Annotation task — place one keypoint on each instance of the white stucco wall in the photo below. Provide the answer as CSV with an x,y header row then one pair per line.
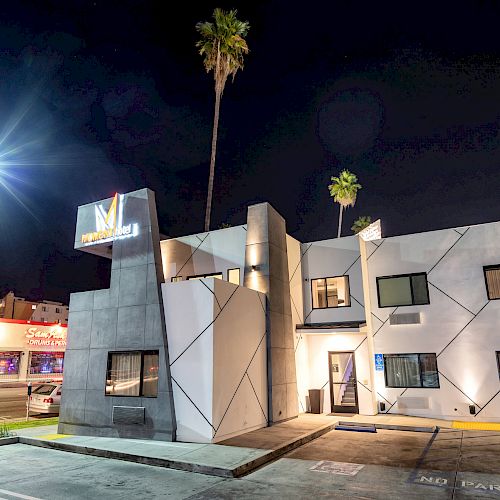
x,y
329,258
216,341
204,253
460,325
318,346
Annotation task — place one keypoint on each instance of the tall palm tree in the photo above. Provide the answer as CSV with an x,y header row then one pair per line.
x,y
362,222
344,189
222,46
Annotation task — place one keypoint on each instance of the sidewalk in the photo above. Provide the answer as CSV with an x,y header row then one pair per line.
x,y
234,457
223,459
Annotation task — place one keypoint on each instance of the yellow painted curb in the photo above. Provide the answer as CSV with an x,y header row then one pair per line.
x,y
51,437
476,426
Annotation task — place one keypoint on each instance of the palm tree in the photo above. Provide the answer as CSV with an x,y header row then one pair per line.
x,y
362,222
344,189
222,46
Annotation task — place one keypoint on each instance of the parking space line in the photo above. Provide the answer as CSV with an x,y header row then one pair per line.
x,y
18,495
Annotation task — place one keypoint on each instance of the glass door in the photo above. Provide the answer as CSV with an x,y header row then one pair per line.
x,y
343,386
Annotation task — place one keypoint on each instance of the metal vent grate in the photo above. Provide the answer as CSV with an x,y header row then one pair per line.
x,y
413,403
404,319
128,415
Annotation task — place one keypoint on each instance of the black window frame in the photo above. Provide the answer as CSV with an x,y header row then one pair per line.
x,y
326,288
175,279
487,268
141,381
239,274
409,275
419,368
211,275
498,362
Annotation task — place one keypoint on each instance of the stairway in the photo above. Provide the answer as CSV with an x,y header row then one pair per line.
x,y
349,396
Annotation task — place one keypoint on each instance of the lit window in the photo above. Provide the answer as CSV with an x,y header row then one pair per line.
x,y
330,292
33,307
201,276
132,373
492,278
403,290
411,370
175,279
233,276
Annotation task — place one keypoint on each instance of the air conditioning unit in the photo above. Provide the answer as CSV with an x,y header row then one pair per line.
x,y
404,319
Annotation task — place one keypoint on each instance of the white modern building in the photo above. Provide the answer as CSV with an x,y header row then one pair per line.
x,y
206,336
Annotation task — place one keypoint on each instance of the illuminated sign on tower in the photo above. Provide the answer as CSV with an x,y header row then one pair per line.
x,y
109,224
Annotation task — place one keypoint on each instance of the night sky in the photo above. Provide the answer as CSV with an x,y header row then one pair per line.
x,y
111,96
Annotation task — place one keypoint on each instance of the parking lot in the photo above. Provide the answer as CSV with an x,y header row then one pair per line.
x,y
340,464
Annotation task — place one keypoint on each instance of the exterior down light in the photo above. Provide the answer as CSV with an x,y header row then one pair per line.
x,y
472,409
254,268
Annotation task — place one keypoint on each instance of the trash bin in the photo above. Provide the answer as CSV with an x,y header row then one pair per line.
x,y
316,397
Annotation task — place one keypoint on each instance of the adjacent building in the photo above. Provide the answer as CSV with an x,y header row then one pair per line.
x,y
206,336
31,351
45,311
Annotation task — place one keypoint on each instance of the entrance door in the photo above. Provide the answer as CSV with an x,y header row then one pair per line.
x,y
343,386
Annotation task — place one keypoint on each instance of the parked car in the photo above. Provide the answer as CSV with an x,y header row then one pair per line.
x,y
46,398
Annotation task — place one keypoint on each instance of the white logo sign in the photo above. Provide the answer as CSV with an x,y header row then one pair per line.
x,y
109,224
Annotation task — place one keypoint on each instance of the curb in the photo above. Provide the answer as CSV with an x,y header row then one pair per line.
x,y
240,470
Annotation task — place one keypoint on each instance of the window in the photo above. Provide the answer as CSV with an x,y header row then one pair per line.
x,y
175,279
233,276
46,362
58,310
33,307
403,290
498,363
44,308
492,278
9,363
42,319
330,292
411,370
132,373
200,276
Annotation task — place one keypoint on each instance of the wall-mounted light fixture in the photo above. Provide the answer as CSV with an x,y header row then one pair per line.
x,y
255,268
472,409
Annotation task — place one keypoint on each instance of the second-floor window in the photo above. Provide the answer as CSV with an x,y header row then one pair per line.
x,y
200,276
330,292
492,277
403,290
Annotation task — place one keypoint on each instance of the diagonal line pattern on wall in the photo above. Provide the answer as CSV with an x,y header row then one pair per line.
x,y
378,246
300,261
191,256
192,402
257,397
260,300
468,323
490,400
390,407
242,378
212,292
458,388
206,328
447,251
345,272
449,296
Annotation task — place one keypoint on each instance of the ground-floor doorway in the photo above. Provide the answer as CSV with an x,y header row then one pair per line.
x,y
343,385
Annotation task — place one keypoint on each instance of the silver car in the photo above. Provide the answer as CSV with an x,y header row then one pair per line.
x,y
46,398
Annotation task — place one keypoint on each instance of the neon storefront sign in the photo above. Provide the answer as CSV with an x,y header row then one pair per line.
x,y
54,337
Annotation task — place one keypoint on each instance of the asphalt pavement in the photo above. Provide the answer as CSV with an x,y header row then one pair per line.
x,y
12,402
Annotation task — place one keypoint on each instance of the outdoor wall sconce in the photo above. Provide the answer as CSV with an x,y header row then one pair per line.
x,y
255,268
472,409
